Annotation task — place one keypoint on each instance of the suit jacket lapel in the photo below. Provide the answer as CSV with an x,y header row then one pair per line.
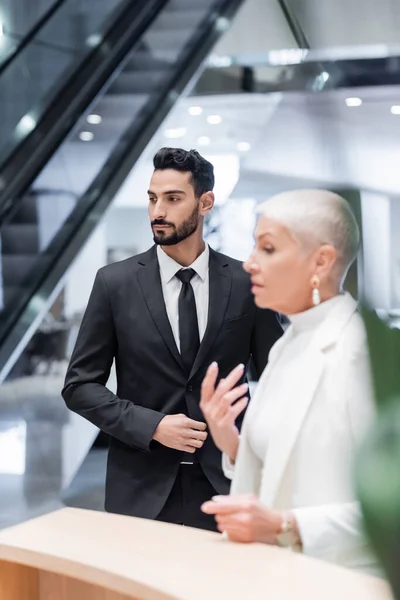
x,y
220,280
150,284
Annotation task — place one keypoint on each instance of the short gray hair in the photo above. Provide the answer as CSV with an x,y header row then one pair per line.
x,y
316,217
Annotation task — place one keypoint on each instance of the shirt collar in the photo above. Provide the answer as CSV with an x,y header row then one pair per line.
x,y
169,267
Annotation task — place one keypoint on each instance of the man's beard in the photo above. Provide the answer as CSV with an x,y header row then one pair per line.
x,y
178,234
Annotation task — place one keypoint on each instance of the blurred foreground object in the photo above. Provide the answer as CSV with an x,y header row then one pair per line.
x,y
378,468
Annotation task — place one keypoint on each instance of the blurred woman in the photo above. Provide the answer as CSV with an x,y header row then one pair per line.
x,y
292,464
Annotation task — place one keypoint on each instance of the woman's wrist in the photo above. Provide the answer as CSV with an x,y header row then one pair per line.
x,y
289,534
233,450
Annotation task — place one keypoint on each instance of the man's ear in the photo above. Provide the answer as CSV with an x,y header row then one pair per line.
x,y
207,201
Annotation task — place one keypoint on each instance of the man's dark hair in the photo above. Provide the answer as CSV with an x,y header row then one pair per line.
x,y
187,161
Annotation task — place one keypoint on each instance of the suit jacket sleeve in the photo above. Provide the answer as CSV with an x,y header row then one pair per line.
x,y
267,330
85,390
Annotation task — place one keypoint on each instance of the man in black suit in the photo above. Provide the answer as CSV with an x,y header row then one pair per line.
x,y
164,316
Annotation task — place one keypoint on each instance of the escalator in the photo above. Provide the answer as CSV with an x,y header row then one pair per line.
x,y
20,24
81,101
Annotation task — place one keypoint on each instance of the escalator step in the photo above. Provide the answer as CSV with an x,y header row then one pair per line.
x,y
121,106
20,239
171,21
27,211
184,5
16,267
138,82
163,40
145,61
10,293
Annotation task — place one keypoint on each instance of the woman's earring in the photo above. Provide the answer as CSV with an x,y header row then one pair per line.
x,y
316,296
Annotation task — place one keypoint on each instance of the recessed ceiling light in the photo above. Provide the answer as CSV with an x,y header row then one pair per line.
x,y
94,119
86,136
203,140
26,124
214,119
395,110
353,101
176,132
215,60
243,146
94,40
195,111
222,24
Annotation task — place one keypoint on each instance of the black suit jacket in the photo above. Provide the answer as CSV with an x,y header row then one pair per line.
x,y
126,320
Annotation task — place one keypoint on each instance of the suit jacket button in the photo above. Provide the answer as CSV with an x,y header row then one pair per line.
x,y
189,388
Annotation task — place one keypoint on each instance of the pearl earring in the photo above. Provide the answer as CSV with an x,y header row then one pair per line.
x,y
316,296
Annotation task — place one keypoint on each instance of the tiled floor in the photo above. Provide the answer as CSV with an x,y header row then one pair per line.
x,y
43,447
45,456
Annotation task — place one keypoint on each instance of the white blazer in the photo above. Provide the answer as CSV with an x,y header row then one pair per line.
x,y
308,466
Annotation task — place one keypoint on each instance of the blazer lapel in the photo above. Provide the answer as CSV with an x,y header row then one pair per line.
x,y
305,382
288,425
220,281
150,284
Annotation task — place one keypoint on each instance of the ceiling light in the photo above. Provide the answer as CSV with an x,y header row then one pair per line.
x,y
94,40
86,136
1,29
94,119
222,24
395,110
243,146
214,119
195,111
353,101
293,56
204,140
177,132
26,124
217,61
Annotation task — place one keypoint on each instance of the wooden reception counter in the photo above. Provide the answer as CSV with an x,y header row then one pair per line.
x,y
83,555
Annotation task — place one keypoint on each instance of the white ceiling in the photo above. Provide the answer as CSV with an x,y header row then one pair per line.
x,y
328,23
296,140
325,23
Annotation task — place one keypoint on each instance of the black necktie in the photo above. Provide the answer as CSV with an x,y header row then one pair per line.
x,y
188,324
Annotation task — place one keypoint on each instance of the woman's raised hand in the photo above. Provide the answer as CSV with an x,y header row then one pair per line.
x,y
222,405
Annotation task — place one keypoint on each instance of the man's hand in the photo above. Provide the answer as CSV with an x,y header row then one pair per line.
x,y
221,406
181,433
243,519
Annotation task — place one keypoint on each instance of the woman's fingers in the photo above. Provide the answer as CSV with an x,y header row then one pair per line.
x,y
217,402
225,385
221,507
208,384
229,505
222,407
236,409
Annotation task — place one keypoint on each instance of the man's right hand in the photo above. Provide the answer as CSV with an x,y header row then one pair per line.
x,y
181,433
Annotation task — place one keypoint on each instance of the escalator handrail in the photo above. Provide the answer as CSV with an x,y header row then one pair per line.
x,y
91,207
294,25
32,34
71,101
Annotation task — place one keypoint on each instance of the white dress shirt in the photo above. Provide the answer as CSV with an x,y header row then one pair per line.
x,y
171,287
